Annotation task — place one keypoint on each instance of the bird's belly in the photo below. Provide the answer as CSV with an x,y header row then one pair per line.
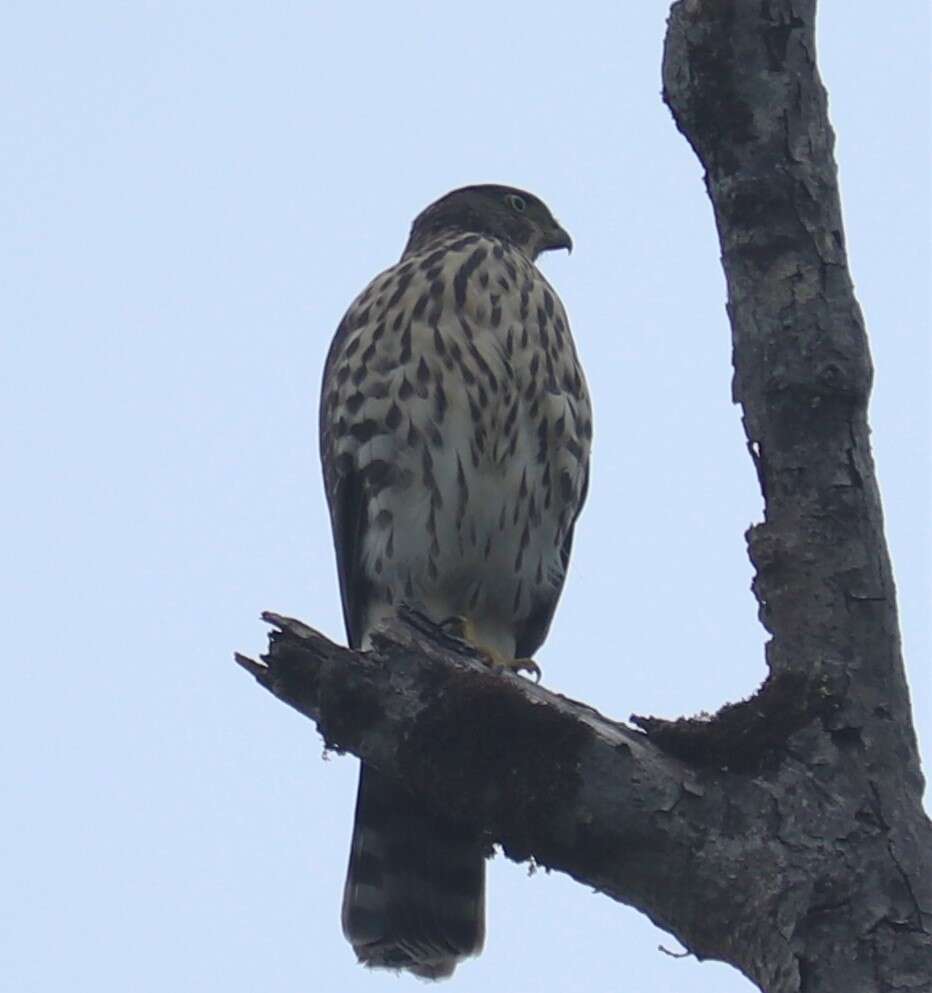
x,y
473,538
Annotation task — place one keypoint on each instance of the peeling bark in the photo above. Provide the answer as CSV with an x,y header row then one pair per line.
x,y
785,835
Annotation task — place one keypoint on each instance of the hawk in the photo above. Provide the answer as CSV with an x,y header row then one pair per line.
x,y
455,429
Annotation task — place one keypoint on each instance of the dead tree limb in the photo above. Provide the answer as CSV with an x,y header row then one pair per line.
x,y
785,835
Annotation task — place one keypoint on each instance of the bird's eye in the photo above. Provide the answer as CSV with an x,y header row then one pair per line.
x,y
515,202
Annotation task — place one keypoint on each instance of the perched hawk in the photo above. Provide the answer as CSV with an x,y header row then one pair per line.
x,y
454,433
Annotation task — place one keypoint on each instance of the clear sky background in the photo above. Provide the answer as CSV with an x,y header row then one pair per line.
x,y
190,196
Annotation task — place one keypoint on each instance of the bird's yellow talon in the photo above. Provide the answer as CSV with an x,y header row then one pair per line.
x,y
463,628
526,665
501,664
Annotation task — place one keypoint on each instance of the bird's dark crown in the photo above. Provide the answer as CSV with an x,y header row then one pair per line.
x,y
513,215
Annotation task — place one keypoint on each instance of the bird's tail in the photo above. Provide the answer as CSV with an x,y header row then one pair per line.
x,y
415,888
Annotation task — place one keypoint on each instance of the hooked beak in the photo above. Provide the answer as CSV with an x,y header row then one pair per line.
x,y
558,238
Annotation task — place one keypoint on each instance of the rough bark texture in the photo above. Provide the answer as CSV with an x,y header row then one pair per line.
x,y
785,835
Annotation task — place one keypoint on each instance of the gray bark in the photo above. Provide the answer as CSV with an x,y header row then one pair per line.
x,y
785,835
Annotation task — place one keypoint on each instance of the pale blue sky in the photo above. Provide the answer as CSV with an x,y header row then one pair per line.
x,y
190,196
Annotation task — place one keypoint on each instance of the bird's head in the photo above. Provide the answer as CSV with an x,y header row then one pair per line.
x,y
503,212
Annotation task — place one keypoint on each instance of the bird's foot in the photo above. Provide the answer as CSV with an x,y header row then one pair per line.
x,y
464,629
458,626
514,665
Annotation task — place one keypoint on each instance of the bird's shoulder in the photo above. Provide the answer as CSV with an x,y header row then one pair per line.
x,y
424,283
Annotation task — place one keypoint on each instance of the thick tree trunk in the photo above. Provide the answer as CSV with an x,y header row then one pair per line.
x,y
785,835
741,81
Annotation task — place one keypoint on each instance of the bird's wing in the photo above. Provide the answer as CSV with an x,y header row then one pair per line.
x,y
572,450
345,488
531,634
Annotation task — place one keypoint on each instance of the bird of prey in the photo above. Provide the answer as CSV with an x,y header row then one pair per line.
x,y
455,429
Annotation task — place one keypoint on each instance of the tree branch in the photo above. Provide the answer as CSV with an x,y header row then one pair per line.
x,y
548,778
784,835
